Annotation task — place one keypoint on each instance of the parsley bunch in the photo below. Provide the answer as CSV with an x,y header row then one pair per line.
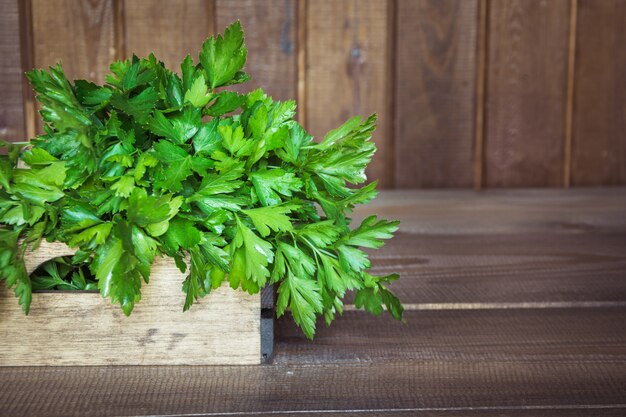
x,y
229,185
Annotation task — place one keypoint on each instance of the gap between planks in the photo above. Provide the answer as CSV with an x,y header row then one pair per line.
x,y
504,306
482,38
569,104
563,407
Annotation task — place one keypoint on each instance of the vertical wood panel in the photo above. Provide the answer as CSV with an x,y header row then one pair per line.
x,y
348,71
599,128
169,29
435,92
78,33
11,101
270,28
526,92
26,52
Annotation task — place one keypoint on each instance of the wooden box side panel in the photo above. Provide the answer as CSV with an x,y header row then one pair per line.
x,y
85,329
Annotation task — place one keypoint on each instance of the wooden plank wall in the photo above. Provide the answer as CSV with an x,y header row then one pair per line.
x,y
469,93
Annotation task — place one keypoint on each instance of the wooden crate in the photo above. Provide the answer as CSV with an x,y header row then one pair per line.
x,y
78,328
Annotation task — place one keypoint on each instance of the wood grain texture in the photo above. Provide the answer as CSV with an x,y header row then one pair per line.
x,y
504,246
539,211
80,34
435,93
270,27
84,329
348,72
169,29
540,335
599,126
526,92
11,99
176,391
506,268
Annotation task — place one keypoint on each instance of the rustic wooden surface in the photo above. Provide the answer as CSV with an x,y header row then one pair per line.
x,y
516,306
84,329
435,94
526,92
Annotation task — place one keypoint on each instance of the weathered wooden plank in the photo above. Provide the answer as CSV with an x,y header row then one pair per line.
x,y
506,268
599,126
169,29
11,99
515,246
539,335
435,93
443,212
126,391
348,72
80,34
84,329
270,28
526,92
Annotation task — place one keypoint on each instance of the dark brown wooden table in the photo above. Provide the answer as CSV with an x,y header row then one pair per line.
x,y
516,306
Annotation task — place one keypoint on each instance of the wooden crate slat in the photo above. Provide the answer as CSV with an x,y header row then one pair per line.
x,y
85,329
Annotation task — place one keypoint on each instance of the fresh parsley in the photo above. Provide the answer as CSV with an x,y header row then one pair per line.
x,y
155,163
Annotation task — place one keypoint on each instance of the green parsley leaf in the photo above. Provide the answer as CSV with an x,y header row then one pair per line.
x,y
270,183
181,233
115,268
304,300
224,57
266,218
257,253
198,94
372,233
139,106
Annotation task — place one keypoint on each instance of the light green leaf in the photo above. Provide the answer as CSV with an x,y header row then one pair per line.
x,y
266,218
198,94
92,236
124,186
372,233
37,195
223,57
258,254
302,295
